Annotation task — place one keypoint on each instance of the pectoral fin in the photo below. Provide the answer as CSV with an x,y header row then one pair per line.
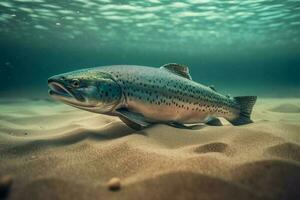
x,y
133,120
130,123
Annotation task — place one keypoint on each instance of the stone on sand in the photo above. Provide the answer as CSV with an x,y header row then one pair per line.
x,y
114,184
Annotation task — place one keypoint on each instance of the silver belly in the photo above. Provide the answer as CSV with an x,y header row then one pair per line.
x,y
167,113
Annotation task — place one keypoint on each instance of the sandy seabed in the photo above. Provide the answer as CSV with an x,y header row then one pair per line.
x,y
52,151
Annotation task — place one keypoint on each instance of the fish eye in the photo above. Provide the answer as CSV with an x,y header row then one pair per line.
x,y
75,83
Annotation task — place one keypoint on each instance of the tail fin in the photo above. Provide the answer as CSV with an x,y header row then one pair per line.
x,y
246,104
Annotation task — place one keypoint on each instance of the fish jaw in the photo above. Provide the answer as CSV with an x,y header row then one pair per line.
x,y
98,93
59,91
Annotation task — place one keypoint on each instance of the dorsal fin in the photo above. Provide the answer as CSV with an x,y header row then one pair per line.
x,y
180,70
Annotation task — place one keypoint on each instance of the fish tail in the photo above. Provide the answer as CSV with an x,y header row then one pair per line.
x,y
246,104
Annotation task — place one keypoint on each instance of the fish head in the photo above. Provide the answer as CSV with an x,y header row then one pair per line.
x,y
86,89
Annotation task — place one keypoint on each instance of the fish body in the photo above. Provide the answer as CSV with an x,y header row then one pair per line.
x,y
144,95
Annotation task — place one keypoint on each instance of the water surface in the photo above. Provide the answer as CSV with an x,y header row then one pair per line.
x,y
240,46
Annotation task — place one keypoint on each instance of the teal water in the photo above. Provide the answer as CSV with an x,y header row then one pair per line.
x,y
240,46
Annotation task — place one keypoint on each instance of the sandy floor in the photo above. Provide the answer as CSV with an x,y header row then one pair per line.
x,y
53,151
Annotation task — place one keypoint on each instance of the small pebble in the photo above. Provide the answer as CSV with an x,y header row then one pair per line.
x,y
5,184
114,184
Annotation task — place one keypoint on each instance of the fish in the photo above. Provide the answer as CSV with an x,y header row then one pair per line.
x,y
141,96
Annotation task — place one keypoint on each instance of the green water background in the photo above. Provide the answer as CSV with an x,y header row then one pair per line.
x,y
240,47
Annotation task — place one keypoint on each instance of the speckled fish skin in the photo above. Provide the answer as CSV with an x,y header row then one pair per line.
x,y
153,95
162,96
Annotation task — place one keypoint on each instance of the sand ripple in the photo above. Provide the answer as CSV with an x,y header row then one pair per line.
x,y
286,108
286,150
76,153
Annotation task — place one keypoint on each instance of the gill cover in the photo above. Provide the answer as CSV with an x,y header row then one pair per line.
x,y
109,93
86,89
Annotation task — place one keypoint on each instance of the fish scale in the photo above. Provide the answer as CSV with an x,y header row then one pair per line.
x,y
142,95
168,90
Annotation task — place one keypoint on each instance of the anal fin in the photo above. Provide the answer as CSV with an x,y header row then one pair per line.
x,y
213,121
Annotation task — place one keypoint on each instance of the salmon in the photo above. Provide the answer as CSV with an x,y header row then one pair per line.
x,y
141,96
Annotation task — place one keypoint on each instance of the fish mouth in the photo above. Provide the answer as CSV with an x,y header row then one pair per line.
x,y
58,91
